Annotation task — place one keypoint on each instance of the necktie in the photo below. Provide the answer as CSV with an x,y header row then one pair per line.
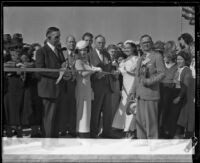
x,y
71,54
57,54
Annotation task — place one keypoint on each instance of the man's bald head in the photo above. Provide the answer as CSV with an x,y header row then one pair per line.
x,y
100,42
70,42
70,37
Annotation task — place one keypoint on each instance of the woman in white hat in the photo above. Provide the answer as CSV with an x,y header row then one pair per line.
x,y
84,93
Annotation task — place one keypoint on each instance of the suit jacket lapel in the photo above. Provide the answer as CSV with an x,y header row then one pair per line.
x,y
52,53
139,64
65,55
96,56
61,56
71,59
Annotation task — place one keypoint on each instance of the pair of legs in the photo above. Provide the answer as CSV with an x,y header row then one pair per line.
x,y
147,119
101,103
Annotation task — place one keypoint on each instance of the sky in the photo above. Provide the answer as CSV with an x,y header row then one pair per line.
x,y
115,23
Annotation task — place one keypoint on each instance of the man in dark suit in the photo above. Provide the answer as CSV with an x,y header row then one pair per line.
x,y
150,72
65,117
49,56
102,87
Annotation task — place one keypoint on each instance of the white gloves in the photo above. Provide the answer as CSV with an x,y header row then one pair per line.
x,y
97,69
61,73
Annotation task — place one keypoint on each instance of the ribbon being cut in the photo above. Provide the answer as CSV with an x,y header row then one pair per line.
x,y
61,70
65,69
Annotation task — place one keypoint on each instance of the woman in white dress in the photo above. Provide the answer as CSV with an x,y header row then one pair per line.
x,y
84,93
127,68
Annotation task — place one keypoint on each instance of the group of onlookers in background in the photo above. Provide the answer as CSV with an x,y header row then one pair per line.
x,y
141,90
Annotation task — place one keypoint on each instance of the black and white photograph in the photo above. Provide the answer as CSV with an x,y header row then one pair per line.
x,y
99,83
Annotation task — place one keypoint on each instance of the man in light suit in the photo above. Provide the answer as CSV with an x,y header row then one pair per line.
x,y
49,56
102,87
150,72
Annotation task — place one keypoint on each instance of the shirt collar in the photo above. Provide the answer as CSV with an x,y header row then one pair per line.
x,y
181,69
148,54
51,46
99,54
69,52
97,51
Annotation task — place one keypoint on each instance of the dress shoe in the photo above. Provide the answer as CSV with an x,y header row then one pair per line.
x,y
165,135
36,132
65,134
130,135
179,136
95,136
10,132
116,134
73,134
188,135
83,135
26,132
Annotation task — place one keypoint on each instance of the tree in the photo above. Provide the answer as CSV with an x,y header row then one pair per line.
x,y
189,14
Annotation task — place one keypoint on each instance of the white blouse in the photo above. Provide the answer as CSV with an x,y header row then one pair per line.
x,y
129,64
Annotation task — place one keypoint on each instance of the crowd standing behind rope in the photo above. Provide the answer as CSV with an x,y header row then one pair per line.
x,y
132,90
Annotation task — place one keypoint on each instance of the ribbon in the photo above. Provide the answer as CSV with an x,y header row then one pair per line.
x,y
61,70
6,69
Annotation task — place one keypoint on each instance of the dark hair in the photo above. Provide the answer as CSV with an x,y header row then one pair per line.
x,y
120,53
146,35
186,56
187,38
99,36
87,34
170,46
120,43
159,47
134,47
111,46
171,55
50,30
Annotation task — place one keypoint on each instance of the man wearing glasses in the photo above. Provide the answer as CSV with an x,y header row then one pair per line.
x,y
150,72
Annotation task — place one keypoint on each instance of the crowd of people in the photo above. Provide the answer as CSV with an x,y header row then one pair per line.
x,y
134,90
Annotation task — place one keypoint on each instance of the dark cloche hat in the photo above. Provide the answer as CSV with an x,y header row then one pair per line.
x,y
7,40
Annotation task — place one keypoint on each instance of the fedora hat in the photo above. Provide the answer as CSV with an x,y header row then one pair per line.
x,y
17,40
7,38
